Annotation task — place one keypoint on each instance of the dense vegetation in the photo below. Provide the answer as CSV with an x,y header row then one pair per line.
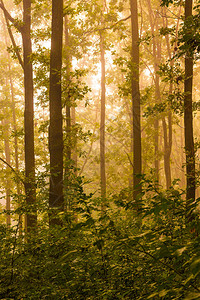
x,y
99,150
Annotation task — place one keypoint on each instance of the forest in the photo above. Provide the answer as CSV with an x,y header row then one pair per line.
x,y
99,149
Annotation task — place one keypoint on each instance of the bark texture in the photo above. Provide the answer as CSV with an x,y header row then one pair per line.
x,y
188,123
30,190
137,151
56,200
68,104
102,123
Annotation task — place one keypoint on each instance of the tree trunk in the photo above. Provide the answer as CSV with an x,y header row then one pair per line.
x,y
25,29
31,218
167,153
56,199
188,124
130,120
74,153
13,109
15,142
102,124
68,104
137,152
156,149
157,90
8,182
168,142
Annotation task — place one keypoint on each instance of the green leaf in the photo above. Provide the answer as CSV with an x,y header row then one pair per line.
x,y
192,296
180,251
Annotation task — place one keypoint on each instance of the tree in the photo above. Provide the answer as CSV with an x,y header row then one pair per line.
x,y
156,57
14,121
167,126
67,101
56,200
188,120
187,45
102,121
30,188
5,124
137,153
25,30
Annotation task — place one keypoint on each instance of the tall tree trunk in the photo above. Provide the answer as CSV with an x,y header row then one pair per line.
x,y
156,122
157,89
168,138
56,199
8,182
137,151
7,147
68,104
14,123
188,123
167,129
31,218
15,142
68,147
25,29
102,123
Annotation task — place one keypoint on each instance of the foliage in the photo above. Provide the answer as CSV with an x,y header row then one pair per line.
x,y
189,35
117,255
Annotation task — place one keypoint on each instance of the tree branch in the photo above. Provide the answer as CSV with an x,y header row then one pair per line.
x,y
14,43
9,17
109,27
13,170
113,25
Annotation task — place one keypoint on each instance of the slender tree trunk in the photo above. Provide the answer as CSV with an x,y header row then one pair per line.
x,y
102,123
74,153
15,142
68,131
168,141
31,218
130,114
5,124
183,177
14,120
68,146
8,182
167,129
56,200
167,153
188,124
137,151
156,122
14,111
68,105
157,90
156,149
70,110
8,199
